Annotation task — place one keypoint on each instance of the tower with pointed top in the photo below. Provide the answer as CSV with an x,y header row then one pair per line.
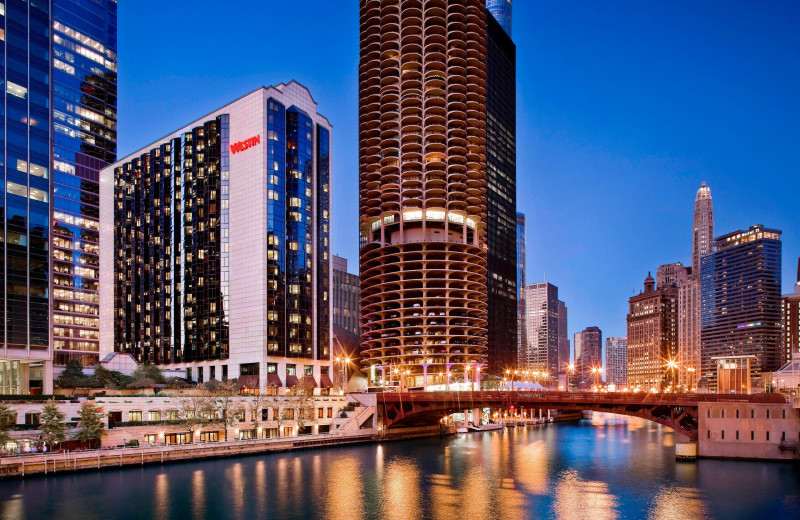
x,y
689,290
703,231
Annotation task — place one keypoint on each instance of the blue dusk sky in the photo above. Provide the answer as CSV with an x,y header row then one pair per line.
x,y
623,108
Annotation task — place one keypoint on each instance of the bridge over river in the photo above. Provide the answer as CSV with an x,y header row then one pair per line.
x,y
677,411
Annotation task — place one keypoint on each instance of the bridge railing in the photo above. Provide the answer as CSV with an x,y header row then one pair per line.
x,y
501,396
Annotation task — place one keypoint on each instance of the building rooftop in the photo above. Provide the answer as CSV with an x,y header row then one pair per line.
x,y
742,236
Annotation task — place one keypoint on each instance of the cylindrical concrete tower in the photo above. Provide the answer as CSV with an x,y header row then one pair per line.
x,y
422,172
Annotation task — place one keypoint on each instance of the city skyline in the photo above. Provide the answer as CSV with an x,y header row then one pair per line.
x,y
606,128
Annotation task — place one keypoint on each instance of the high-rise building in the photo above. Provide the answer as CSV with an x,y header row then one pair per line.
x,y
689,332
617,361
345,297
790,320
740,299
563,338
689,291
653,337
59,130
541,308
423,192
522,341
670,275
501,194
501,10
588,354
215,241
703,229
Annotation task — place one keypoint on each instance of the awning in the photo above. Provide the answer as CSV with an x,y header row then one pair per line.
x,y
291,381
274,380
310,380
326,382
251,382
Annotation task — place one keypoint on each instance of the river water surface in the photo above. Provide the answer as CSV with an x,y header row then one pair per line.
x,y
605,468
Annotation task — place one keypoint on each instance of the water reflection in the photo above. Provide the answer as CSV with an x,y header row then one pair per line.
x,y
13,508
401,490
678,503
606,468
198,495
579,499
161,497
343,490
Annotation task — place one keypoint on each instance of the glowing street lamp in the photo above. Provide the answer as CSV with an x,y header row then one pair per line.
x,y
672,366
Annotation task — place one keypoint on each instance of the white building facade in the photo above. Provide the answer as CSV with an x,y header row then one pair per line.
x,y
215,245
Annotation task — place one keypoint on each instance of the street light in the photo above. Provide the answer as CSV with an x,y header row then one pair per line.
x,y
672,365
691,377
596,372
570,370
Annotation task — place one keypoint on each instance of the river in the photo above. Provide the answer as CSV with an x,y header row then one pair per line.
x,y
605,468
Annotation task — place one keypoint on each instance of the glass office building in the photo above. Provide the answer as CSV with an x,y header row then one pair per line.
x,y
501,197
60,129
501,10
740,302
219,245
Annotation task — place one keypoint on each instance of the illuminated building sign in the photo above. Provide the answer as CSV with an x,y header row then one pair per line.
x,y
244,145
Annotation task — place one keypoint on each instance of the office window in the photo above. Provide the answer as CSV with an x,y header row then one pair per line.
x,y
135,416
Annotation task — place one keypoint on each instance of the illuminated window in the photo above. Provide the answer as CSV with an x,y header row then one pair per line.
x,y
16,90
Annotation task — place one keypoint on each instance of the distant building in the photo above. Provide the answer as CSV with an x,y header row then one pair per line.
x,y
740,298
617,361
670,275
522,341
563,338
703,229
588,354
790,320
541,307
345,297
689,291
652,337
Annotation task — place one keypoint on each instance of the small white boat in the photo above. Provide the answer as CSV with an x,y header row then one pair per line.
x,y
586,414
485,427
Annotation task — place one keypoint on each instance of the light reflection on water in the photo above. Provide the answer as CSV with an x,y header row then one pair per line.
x,y
604,468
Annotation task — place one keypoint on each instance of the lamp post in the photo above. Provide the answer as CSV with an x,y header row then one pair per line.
x,y
691,377
596,372
570,375
672,365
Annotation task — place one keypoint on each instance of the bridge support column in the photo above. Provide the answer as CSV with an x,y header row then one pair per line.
x,y
425,377
540,415
476,416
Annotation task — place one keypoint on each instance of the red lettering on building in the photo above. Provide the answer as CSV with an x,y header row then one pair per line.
x,y
244,145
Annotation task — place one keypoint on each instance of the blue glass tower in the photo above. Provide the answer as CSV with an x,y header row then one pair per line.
x,y
501,10
60,129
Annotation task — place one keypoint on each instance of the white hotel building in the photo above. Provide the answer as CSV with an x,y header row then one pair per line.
x,y
215,245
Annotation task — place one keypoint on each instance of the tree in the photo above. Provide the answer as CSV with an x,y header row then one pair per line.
x,y
256,403
151,372
54,430
279,406
7,420
301,397
227,403
111,378
91,424
195,411
73,376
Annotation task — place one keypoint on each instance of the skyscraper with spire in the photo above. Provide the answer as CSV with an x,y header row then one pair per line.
x,y
689,290
703,237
